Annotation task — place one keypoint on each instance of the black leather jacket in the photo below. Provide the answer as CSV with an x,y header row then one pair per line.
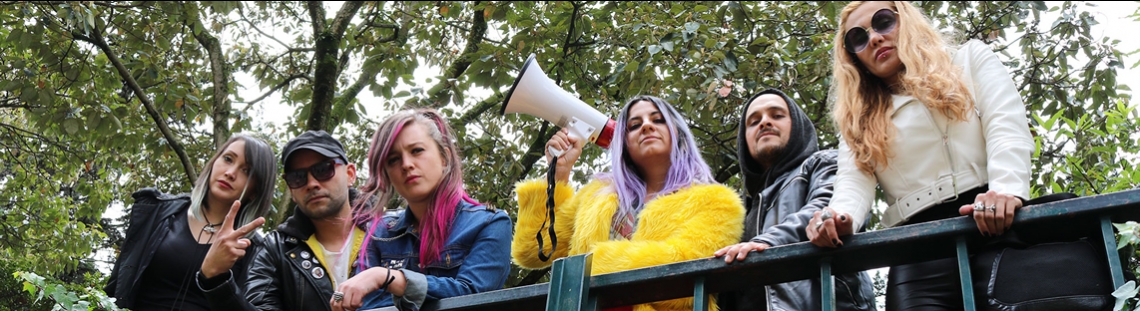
x,y
152,216
780,201
278,278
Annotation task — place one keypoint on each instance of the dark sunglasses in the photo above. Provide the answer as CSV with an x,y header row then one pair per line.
x,y
321,171
883,22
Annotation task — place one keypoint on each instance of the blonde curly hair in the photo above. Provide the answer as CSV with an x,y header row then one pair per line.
x,y
862,105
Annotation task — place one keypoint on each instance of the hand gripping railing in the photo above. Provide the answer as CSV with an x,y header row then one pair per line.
x,y
571,288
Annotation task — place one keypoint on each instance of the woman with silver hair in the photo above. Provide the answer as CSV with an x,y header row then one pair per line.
x,y
171,237
658,204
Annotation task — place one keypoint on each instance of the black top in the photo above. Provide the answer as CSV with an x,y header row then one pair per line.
x,y
168,283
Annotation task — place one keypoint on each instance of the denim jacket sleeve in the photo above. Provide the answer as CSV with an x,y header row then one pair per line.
x,y
484,268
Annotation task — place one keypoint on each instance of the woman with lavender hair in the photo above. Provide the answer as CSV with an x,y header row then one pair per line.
x,y
658,204
444,243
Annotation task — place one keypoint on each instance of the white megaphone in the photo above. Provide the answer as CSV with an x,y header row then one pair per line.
x,y
535,94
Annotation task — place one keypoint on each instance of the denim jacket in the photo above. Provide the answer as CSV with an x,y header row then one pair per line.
x,y
476,257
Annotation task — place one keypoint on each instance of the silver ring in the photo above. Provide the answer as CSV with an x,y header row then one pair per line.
x,y
992,207
338,296
979,206
825,215
818,225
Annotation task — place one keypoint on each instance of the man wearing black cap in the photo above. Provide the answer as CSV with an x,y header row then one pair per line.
x,y
314,249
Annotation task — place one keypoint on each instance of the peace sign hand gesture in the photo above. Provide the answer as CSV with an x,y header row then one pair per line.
x,y
230,245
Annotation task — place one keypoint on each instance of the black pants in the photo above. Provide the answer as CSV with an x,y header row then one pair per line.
x,y
930,285
935,284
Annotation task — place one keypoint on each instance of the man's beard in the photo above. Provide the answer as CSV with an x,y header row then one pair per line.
x,y
768,156
332,209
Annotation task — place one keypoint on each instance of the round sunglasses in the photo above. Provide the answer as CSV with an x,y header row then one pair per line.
x,y
322,171
883,22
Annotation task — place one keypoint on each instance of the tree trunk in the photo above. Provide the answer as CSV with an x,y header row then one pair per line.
x,y
326,51
221,78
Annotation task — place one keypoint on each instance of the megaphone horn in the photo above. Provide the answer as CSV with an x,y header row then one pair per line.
x,y
535,94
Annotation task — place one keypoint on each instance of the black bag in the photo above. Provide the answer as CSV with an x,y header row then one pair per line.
x,y
1065,273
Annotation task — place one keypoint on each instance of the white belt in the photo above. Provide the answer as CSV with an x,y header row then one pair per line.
x,y
941,190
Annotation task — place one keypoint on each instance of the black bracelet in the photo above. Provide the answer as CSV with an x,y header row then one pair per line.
x,y
389,281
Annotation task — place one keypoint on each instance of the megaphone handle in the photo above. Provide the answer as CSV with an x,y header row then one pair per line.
x,y
555,153
574,129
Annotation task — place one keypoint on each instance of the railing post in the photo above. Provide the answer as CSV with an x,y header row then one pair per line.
x,y
700,299
964,274
827,285
1113,253
570,284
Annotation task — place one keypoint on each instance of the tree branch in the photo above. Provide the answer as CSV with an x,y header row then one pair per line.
x,y
439,93
317,14
99,3
479,109
371,65
344,16
252,25
275,88
97,40
57,144
220,73
535,152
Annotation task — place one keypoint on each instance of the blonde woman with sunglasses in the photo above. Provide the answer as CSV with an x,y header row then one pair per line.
x,y
941,130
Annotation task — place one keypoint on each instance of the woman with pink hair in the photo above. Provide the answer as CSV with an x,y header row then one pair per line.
x,y
443,243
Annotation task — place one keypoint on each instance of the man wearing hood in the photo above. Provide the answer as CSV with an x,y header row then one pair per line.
x,y
786,179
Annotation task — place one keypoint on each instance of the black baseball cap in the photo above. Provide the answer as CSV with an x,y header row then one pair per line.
x,y
319,141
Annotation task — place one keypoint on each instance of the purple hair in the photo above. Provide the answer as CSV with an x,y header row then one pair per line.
x,y
436,223
686,168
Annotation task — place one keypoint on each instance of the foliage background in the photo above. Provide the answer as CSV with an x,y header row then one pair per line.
x,y
101,98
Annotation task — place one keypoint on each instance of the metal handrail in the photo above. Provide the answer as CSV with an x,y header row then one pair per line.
x,y
573,290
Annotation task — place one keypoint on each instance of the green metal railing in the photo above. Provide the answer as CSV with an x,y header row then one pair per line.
x,y
571,287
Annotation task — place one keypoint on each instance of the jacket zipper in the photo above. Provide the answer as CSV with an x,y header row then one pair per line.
x,y
765,209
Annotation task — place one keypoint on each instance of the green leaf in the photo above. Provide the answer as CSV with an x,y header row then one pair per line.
x,y
710,42
730,61
28,287
654,49
630,67
93,121
1124,293
692,26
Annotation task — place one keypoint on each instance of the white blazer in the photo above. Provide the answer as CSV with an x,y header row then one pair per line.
x,y
935,160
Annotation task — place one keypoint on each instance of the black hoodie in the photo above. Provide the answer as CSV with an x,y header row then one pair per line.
x,y
802,143
780,201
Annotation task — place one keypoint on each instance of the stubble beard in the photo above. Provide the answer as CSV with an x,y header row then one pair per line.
x,y
767,156
332,209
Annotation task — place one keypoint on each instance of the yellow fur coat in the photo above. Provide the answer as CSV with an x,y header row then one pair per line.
x,y
688,224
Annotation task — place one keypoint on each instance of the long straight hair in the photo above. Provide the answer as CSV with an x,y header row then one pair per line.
x,y
436,223
257,196
686,168
862,104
